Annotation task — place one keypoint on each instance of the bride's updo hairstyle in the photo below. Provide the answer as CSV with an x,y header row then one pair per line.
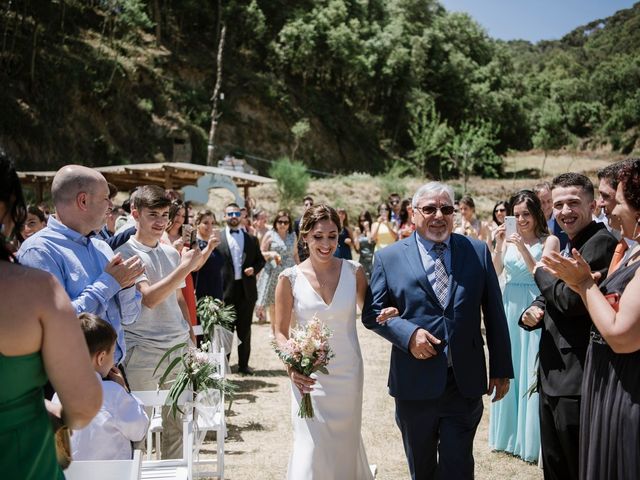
x,y
316,214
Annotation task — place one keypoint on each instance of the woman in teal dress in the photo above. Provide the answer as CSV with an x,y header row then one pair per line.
x,y
514,424
40,337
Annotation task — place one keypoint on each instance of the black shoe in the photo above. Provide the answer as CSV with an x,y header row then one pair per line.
x,y
246,371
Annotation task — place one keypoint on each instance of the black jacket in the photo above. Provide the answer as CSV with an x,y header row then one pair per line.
x,y
251,257
566,323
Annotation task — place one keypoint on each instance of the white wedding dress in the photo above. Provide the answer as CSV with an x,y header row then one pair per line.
x,y
329,446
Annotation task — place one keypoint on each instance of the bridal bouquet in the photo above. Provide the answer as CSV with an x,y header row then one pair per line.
x,y
197,372
217,322
307,350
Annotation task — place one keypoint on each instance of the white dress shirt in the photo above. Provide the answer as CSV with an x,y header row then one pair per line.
x,y
120,421
236,247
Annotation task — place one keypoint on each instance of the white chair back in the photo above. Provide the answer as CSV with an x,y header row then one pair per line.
x,y
105,469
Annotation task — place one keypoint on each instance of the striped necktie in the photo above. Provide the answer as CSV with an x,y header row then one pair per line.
x,y
441,286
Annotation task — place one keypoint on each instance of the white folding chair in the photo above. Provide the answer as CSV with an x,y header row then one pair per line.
x,y
105,469
179,468
211,421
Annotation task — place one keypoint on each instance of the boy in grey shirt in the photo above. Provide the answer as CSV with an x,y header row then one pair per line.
x,y
164,321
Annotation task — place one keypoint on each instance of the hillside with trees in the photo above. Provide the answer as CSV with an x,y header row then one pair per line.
x,y
341,85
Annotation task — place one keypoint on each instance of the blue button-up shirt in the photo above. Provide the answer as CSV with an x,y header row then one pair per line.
x,y
78,263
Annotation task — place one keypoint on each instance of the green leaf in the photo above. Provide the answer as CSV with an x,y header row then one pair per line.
x,y
171,366
167,353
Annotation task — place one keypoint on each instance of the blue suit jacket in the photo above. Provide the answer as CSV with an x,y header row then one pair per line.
x,y
399,280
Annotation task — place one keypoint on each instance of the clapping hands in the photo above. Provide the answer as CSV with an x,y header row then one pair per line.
x,y
125,271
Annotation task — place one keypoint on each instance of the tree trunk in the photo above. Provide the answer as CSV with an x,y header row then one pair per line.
x,y
214,98
34,50
157,14
544,160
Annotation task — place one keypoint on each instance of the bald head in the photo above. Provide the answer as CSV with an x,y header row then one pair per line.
x,y
71,180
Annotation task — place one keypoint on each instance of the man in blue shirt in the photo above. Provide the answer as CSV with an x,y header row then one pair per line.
x,y
96,280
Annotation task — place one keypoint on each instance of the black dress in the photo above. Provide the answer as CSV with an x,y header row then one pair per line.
x,y
208,280
610,411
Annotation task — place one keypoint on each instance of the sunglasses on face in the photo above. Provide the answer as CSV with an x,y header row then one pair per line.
x,y
430,209
394,202
497,210
283,222
234,214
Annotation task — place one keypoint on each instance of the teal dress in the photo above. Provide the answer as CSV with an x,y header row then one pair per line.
x,y
514,423
27,449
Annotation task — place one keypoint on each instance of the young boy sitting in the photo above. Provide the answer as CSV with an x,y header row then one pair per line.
x,y
121,419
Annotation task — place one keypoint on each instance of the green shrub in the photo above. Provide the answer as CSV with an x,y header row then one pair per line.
x,y
292,178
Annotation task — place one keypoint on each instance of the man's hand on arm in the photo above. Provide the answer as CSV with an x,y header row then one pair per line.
x,y
421,344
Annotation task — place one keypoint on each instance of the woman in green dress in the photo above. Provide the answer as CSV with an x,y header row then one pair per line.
x,y
40,338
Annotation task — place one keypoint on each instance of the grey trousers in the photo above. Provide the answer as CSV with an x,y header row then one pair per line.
x,y
140,363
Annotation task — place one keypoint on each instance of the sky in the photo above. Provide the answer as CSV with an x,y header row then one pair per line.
x,y
535,20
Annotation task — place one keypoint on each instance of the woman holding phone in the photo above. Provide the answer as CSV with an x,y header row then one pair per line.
x,y
208,278
174,235
514,424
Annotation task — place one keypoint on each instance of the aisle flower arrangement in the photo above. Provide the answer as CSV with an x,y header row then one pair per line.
x,y
307,351
196,372
217,321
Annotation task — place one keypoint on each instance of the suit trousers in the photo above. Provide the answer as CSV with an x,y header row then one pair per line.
x,y
559,435
244,315
438,433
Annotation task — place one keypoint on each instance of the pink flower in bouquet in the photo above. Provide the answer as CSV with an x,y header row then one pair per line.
x,y
307,350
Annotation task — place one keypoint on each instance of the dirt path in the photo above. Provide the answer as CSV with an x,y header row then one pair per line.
x,y
259,438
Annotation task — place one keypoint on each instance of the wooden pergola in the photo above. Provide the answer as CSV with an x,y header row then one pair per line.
x,y
170,175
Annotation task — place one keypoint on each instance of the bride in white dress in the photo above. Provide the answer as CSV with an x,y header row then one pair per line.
x,y
328,446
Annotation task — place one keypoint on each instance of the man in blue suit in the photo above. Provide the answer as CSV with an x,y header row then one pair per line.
x,y
440,283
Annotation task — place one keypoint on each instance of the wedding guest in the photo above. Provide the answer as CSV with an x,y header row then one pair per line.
x,y
329,288
345,237
96,280
121,419
364,244
543,191
303,254
608,184
173,236
565,324
40,339
395,204
260,223
383,231
500,211
208,278
471,225
164,321
405,225
243,260
279,250
35,222
514,424
610,410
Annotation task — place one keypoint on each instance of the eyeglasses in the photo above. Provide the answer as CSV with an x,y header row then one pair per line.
x,y
430,209
500,210
234,214
283,222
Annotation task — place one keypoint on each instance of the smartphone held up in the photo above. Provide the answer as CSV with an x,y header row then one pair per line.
x,y
510,226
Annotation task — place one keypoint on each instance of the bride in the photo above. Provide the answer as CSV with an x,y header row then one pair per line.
x,y
328,446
